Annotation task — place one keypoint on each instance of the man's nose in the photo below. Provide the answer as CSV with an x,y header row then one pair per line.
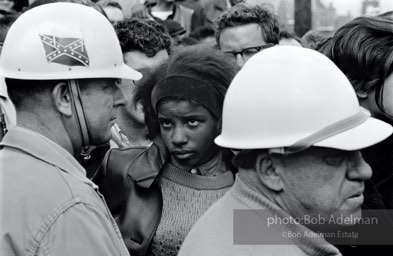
x,y
119,98
358,169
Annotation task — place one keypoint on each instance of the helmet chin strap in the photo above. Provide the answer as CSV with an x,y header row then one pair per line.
x,y
79,112
324,133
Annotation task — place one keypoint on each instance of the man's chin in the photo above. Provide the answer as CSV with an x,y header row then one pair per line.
x,y
98,141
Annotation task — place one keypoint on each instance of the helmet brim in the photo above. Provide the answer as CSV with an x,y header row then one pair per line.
x,y
370,132
117,71
123,71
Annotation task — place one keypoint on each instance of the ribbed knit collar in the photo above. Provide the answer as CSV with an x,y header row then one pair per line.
x,y
198,182
255,200
216,166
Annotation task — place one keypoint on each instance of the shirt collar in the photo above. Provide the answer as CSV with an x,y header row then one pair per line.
x,y
46,150
3,87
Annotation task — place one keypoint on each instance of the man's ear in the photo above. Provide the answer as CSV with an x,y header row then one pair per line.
x,y
62,98
267,170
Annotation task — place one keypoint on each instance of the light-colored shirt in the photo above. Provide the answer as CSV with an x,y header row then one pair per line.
x,y
119,140
7,108
47,205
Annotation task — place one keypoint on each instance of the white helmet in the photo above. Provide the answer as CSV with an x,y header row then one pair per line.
x,y
63,41
288,98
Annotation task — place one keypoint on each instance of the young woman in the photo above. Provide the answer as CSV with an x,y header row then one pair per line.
x,y
158,193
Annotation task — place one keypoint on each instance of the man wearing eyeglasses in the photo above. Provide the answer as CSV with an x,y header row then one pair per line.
x,y
244,30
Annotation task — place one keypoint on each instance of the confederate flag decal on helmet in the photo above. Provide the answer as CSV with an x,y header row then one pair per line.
x,y
65,51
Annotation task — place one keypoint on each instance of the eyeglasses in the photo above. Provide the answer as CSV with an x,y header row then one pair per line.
x,y
248,52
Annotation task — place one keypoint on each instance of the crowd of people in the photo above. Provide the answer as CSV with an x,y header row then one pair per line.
x,y
192,128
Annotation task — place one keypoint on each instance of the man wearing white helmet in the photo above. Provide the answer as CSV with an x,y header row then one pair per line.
x,y
299,125
61,64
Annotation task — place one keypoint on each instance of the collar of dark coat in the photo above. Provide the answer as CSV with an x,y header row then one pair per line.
x,y
147,163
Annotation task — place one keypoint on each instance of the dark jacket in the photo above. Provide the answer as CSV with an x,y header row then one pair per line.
x,y
127,179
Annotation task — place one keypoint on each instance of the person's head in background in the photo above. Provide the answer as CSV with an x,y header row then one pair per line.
x,y
6,7
244,30
12,6
205,35
89,3
145,44
113,10
362,49
312,39
5,24
287,38
175,30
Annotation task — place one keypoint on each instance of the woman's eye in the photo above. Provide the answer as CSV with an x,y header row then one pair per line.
x,y
166,124
193,123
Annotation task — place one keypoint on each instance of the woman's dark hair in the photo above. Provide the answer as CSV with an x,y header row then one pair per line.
x,y
200,62
362,49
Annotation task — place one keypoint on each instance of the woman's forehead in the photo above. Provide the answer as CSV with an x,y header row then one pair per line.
x,y
185,107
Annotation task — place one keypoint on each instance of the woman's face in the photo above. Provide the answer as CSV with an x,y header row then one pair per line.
x,y
371,105
388,96
188,131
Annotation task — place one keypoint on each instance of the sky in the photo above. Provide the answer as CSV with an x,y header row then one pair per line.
x,y
342,6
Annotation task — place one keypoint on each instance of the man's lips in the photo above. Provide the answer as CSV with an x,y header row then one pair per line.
x,y
357,198
359,192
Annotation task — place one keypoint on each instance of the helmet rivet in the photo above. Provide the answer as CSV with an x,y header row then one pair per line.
x,y
69,69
